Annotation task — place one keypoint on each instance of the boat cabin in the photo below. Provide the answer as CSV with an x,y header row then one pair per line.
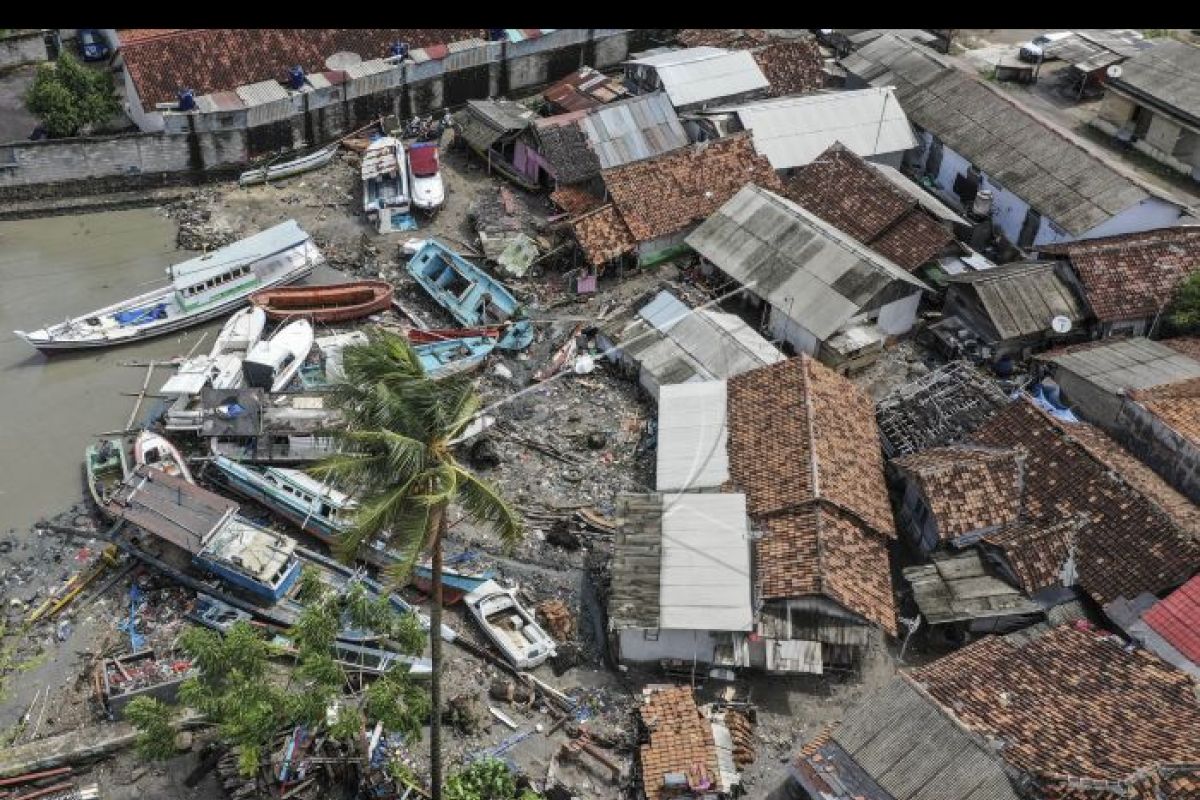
x,y
202,288
317,499
265,362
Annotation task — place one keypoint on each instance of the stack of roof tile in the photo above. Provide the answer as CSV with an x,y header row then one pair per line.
x,y
665,195
1130,544
968,489
1076,711
681,739
1132,276
848,193
575,200
804,447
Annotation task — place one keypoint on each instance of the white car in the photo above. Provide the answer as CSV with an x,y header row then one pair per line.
x,y
1035,50
428,191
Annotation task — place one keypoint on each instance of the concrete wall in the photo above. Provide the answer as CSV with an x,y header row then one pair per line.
x,y
686,645
1174,458
899,316
22,48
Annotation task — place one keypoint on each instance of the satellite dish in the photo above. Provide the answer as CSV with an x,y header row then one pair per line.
x,y
342,60
1114,71
1061,324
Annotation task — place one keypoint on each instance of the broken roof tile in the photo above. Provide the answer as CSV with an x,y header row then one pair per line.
x,y
968,489
681,739
602,235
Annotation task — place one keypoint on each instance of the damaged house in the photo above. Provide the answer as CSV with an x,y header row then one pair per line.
x,y
494,129
656,202
697,77
686,750
573,148
1145,394
793,131
1128,281
583,89
667,342
792,64
812,280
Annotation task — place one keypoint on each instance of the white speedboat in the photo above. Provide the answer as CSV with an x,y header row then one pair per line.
x,y
272,363
157,453
385,181
241,332
428,190
200,289
506,622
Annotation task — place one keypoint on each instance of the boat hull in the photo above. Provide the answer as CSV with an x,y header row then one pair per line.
x,y
245,483
335,303
296,166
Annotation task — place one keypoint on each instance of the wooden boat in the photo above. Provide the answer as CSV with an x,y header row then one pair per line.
x,y
471,296
240,332
334,303
273,172
155,452
251,426
272,363
456,583
200,289
385,180
432,335
428,189
509,625
186,411
454,356
106,464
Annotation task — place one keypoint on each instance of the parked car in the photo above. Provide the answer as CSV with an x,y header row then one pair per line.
x,y
92,45
1035,50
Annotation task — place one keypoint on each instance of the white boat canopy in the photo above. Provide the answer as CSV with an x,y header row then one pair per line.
x,y
282,237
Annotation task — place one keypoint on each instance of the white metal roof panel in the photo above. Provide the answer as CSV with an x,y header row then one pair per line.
x,y
1129,364
692,436
255,94
793,131
704,583
664,311
690,77
283,236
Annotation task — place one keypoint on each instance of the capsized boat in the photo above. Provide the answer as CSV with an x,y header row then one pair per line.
x,y
337,302
272,363
305,163
200,289
106,464
454,356
156,452
471,296
385,180
240,332
428,189
509,625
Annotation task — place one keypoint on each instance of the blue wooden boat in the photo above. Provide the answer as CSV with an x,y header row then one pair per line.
x,y
471,296
455,356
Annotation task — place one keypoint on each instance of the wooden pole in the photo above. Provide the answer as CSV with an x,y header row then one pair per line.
x,y
137,404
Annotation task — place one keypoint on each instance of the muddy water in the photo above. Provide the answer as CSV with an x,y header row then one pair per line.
x,y
51,408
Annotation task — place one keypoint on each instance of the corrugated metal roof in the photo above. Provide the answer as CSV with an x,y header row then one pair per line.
x,y
369,67
699,74
630,130
1022,299
704,582
1128,364
958,587
171,508
636,562
1168,73
502,115
807,269
894,60
261,93
664,311
792,131
692,436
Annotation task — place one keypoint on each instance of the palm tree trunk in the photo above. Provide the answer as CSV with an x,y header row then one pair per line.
x,y
435,632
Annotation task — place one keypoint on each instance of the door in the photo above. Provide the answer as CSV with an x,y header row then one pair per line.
x,y
933,164
1029,230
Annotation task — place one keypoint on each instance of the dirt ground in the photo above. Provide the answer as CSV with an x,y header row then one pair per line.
x,y
15,122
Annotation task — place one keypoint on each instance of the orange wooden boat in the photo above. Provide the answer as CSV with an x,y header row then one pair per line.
x,y
337,302
431,335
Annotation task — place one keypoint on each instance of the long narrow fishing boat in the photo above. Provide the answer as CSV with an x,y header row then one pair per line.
x,y
200,289
286,169
240,332
472,297
338,302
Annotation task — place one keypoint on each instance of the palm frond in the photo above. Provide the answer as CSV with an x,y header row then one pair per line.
x,y
484,505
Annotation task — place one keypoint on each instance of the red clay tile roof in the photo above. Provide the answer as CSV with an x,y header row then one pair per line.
x,y
968,488
128,36
731,38
1188,345
212,60
791,67
1178,406
575,200
681,739
602,235
848,193
820,550
667,194
799,432
1130,545
1037,550
1072,703
1133,275
1177,619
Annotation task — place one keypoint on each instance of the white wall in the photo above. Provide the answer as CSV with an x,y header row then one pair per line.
x,y
1147,215
147,122
899,316
784,329
686,645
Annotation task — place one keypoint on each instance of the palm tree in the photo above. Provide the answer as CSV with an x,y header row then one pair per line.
x,y
396,459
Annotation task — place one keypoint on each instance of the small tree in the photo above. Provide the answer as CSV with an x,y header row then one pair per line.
x,y
156,737
66,96
1185,308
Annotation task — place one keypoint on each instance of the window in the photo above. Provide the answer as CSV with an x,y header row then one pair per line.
x,y
650,634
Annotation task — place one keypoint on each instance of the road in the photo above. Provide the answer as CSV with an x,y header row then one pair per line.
x,y
1064,115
